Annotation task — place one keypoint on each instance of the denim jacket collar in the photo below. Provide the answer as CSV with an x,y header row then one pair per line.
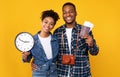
x,y
37,41
52,37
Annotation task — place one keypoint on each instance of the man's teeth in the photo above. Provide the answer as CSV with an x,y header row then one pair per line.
x,y
68,18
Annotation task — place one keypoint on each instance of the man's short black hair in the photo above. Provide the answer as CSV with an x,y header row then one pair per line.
x,y
69,3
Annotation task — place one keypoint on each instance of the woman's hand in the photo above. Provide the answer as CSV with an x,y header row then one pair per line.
x,y
25,55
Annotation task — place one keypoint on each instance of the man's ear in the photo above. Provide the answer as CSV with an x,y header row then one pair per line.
x,y
76,13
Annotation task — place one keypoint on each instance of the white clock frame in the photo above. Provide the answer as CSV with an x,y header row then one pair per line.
x,y
24,41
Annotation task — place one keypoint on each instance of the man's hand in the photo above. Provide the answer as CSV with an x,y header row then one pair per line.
x,y
88,39
33,66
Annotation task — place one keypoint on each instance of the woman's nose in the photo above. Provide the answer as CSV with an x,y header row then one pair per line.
x,y
48,25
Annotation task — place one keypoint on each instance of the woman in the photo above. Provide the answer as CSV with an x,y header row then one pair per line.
x,y
45,49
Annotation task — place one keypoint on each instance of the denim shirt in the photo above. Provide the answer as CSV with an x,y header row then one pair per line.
x,y
38,53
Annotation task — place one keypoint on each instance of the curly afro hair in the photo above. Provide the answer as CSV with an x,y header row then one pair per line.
x,y
50,13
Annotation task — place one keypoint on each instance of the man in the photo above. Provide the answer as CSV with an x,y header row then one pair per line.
x,y
71,43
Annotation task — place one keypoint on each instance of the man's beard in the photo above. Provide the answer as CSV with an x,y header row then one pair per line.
x,y
70,22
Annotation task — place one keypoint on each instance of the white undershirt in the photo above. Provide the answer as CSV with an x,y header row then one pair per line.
x,y
69,34
46,43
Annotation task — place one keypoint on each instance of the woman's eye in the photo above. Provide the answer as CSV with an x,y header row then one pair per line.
x,y
46,22
52,24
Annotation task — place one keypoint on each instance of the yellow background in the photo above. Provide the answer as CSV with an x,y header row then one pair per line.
x,y
24,16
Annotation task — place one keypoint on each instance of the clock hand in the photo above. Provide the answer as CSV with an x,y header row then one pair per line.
x,y
24,41
21,40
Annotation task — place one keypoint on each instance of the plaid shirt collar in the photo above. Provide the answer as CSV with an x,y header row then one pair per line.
x,y
75,29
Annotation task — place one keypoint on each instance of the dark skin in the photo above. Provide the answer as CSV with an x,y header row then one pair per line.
x,y
69,16
47,26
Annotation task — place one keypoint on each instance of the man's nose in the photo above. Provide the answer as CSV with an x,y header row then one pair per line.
x,y
68,13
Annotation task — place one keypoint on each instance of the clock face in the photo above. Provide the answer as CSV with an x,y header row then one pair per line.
x,y
24,41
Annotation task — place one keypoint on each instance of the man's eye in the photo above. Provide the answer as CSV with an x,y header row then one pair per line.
x,y
71,11
64,12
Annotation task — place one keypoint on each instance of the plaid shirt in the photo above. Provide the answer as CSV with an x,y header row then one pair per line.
x,y
79,48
